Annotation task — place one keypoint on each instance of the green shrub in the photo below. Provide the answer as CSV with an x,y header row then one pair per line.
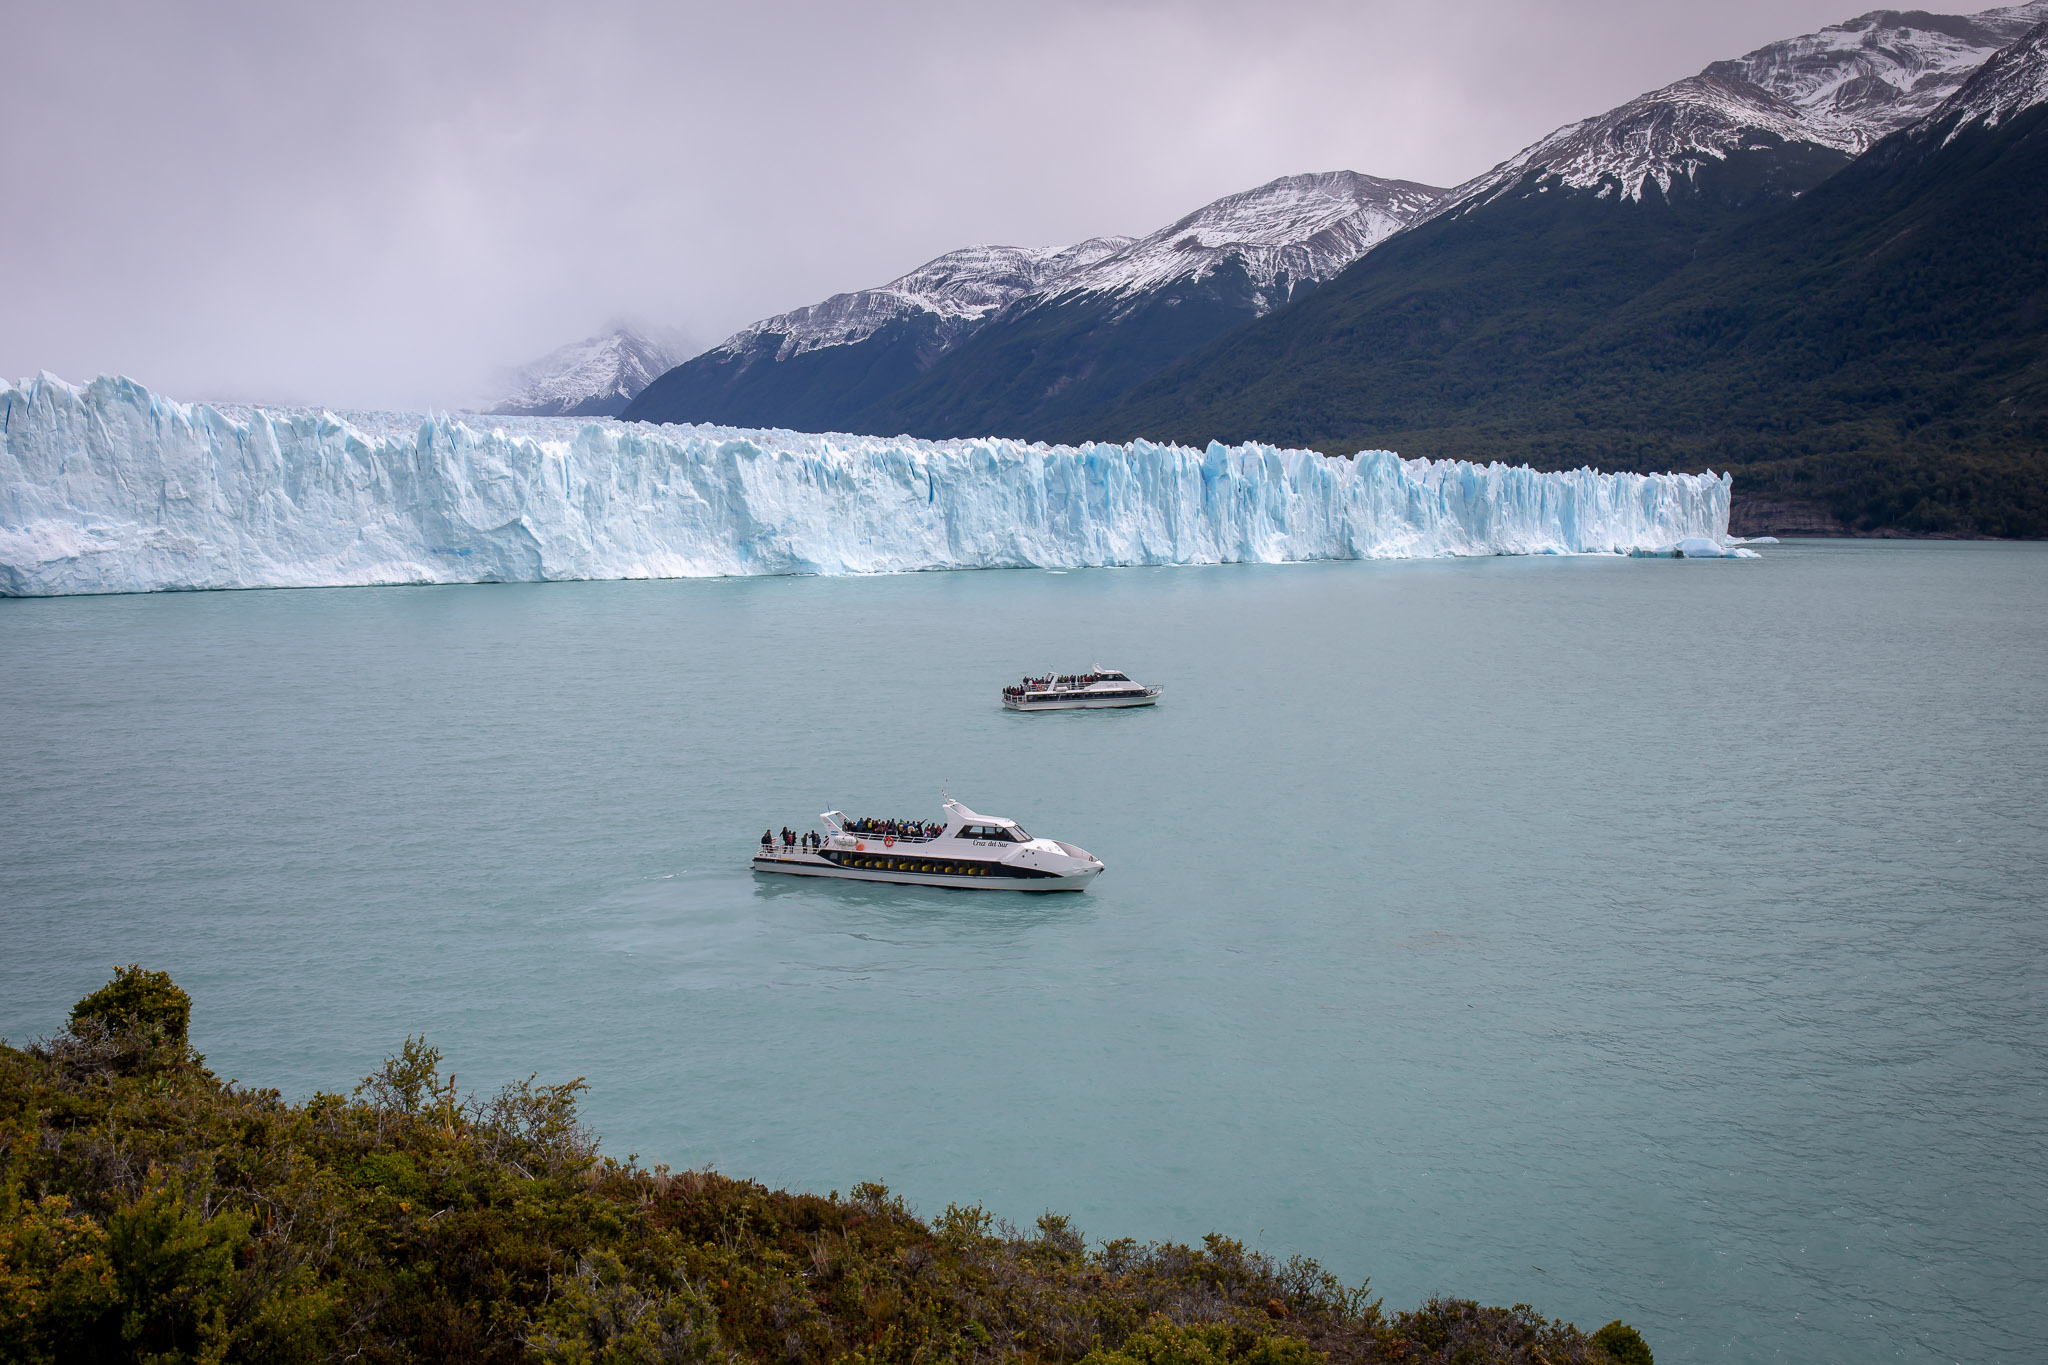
x,y
56,1283
174,1269
137,1001
153,1284
605,1315
1222,1343
1624,1343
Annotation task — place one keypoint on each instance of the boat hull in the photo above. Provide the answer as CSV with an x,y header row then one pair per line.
x,y
806,865
1080,703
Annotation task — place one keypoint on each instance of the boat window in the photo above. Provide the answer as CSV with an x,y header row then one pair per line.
x,y
995,832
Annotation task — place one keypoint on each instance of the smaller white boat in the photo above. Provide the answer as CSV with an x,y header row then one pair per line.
x,y
1102,690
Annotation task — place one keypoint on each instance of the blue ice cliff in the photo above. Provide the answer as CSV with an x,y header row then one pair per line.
x,y
111,488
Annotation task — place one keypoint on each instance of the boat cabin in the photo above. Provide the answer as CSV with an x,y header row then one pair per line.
x,y
1001,832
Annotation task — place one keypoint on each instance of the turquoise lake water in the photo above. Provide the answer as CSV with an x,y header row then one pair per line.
x,y
1661,940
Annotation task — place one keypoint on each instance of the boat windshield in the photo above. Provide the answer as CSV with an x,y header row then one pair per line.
x,y
998,833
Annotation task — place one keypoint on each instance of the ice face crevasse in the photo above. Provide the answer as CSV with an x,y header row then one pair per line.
x,y
111,488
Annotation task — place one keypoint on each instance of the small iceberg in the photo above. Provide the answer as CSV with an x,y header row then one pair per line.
x,y
1696,547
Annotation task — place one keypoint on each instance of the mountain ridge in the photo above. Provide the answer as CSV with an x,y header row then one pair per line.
x,y
1866,356
595,377
1620,212
1837,91
963,286
1295,227
1234,259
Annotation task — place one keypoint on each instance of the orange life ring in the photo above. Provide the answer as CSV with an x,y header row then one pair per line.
x,y
889,842
860,848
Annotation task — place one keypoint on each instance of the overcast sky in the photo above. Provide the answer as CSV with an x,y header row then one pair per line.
x,y
382,205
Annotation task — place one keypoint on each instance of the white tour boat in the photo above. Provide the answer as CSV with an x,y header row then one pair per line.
x,y
1098,691
981,852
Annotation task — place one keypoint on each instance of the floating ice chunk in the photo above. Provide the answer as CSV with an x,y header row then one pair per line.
x,y
111,488
1696,547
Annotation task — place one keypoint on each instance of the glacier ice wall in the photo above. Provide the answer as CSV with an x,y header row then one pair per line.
x,y
110,488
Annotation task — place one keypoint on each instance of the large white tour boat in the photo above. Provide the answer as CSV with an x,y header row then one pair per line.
x,y
977,852
1098,691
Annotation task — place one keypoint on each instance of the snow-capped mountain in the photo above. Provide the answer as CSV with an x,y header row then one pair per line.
x,y
1838,91
959,290
594,377
1856,81
2010,83
1862,349
850,362
811,367
1291,231
1052,344
1299,228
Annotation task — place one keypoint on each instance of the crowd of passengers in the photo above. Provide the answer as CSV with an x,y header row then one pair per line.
x,y
810,840
1063,679
902,829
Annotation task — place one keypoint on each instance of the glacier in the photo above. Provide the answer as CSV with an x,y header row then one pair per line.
x,y
110,488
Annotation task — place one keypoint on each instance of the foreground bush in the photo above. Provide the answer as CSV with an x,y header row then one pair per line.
x,y
151,1212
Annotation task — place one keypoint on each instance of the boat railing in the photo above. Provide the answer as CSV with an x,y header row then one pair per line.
x,y
1124,689
879,837
1015,691
876,844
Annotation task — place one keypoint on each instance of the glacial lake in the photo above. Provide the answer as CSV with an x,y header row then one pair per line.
x,y
1661,940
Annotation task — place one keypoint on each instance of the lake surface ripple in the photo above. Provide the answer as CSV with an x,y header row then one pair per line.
x,y
1644,939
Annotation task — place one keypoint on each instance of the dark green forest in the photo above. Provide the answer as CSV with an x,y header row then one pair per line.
x,y
152,1212
1872,354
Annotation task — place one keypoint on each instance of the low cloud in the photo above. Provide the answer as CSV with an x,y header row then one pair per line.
x,y
388,204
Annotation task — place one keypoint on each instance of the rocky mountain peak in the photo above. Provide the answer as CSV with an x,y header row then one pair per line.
x,y
960,288
1293,230
2011,82
1839,89
594,377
